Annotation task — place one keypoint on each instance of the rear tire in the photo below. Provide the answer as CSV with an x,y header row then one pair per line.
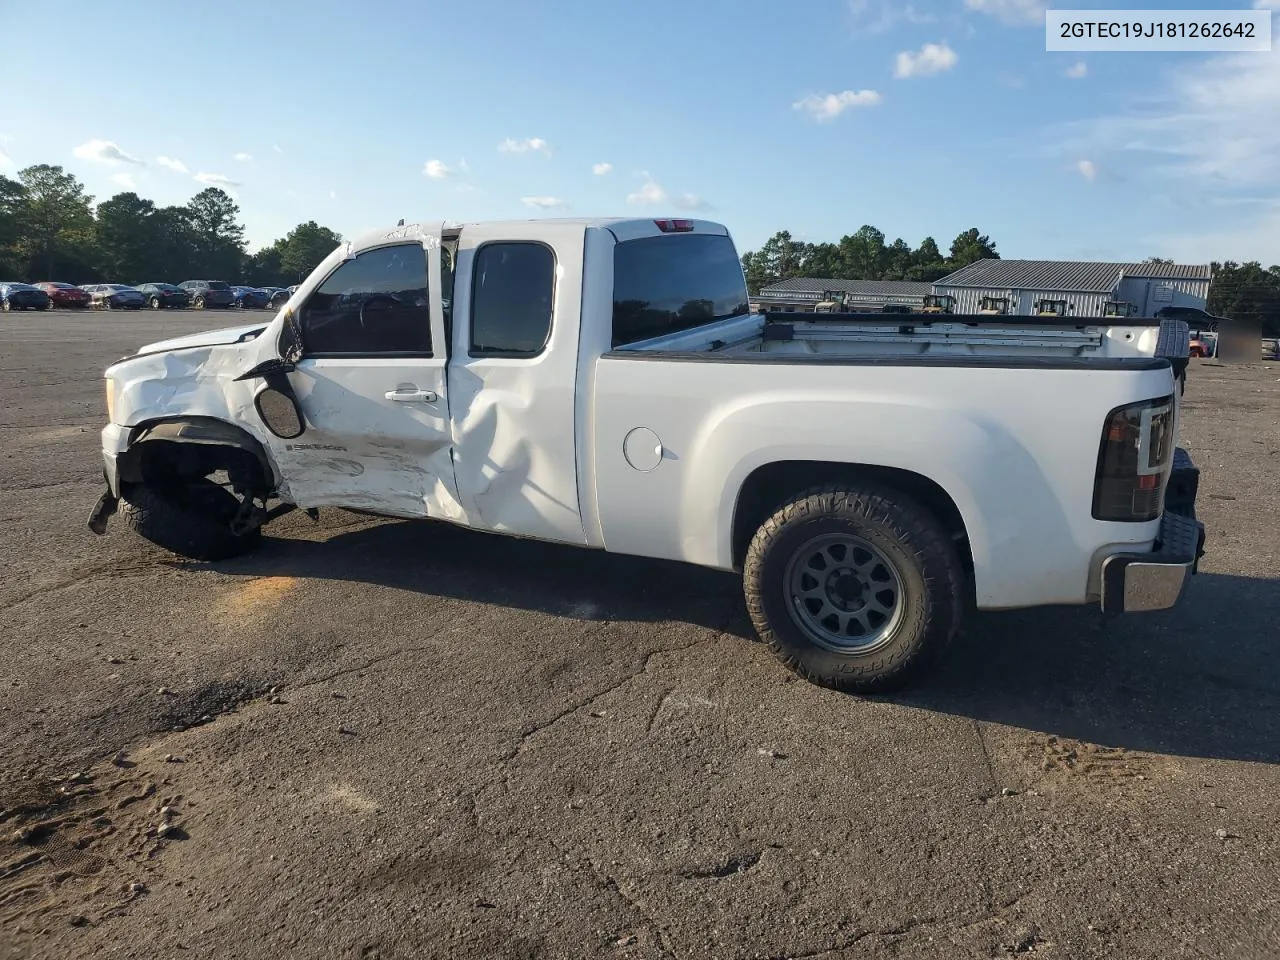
x,y
854,588
155,303
198,303
190,519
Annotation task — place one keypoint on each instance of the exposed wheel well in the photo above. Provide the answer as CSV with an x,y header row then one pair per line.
x,y
170,451
769,486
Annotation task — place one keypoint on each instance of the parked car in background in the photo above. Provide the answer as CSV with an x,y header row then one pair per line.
x,y
114,296
23,296
208,293
250,298
163,295
64,295
280,297
1271,348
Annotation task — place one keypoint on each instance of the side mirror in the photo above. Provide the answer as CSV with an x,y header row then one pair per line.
x,y
279,411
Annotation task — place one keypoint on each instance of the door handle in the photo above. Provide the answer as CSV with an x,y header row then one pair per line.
x,y
412,396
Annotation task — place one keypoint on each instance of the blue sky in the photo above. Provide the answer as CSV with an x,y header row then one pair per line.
x,y
921,118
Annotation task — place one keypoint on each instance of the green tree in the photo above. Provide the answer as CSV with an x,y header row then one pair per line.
x,y
11,199
1247,292
128,238
55,217
304,247
217,233
927,262
970,247
263,266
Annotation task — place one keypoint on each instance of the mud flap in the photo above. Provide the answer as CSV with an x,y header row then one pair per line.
x,y
103,511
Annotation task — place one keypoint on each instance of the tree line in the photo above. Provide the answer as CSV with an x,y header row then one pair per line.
x,y
51,229
862,256
1243,291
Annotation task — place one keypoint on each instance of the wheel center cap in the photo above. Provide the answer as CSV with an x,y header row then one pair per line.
x,y
845,588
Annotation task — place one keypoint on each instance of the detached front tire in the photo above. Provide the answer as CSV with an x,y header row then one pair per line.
x,y
854,588
190,519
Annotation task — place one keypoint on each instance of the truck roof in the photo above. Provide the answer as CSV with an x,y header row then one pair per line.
x,y
625,228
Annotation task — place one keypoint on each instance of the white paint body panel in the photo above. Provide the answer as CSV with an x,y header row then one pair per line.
x,y
537,447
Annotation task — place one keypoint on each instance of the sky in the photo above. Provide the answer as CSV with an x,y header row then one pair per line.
x,y
816,116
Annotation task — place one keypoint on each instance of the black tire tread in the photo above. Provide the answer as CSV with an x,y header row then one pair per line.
x,y
174,527
919,533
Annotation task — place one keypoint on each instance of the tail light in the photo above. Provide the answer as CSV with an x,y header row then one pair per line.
x,y
675,226
1134,461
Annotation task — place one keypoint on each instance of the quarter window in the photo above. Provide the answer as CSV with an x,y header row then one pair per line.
x,y
375,304
511,299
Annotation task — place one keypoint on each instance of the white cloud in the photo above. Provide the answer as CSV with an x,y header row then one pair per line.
x,y
1077,71
689,201
5,161
931,58
543,203
1017,12
243,157
104,151
1266,4
1087,169
600,169
175,165
871,17
529,145
215,180
1254,239
462,165
125,180
1202,128
830,106
333,194
275,148
436,170
651,192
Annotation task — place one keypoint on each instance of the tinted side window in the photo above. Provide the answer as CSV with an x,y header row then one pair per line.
x,y
513,286
671,283
374,304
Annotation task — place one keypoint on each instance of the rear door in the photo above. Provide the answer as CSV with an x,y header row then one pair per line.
x,y
371,384
513,377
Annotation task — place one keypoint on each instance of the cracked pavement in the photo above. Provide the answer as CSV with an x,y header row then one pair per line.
x,y
375,739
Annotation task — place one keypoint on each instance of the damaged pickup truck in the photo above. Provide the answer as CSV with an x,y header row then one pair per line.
x,y
604,383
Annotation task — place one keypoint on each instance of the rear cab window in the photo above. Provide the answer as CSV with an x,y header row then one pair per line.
x,y
675,282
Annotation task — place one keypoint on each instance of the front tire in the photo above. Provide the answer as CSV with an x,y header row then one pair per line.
x,y
854,588
155,303
190,519
198,303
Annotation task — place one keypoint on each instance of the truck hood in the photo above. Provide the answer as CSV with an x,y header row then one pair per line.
x,y
206,338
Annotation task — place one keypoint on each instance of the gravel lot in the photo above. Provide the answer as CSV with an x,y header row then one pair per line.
x,y
379,739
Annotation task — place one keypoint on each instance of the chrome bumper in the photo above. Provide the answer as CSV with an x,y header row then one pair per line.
x,y
1134,582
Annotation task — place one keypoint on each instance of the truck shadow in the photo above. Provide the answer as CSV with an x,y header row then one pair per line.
x,y
1201,680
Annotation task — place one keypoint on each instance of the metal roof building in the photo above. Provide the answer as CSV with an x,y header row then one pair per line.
x,y
1085,285
802,293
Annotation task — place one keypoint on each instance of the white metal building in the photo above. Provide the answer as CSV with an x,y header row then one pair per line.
x,y
1086,286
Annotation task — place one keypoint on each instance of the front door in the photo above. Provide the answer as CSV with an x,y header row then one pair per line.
x,y
371,384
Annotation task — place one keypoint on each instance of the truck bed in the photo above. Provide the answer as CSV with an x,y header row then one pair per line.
x,y
1040,341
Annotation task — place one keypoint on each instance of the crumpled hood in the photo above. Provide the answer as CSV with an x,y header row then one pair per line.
x,y
206,338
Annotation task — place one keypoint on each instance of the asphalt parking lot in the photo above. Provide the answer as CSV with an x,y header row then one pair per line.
x,y
375,739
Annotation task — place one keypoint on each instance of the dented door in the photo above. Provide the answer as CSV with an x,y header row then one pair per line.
x,y
513,377
371,384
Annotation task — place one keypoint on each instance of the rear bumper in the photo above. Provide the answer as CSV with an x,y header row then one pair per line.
x,y
1136,582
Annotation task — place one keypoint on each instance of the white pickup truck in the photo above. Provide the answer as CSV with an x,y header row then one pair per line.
x,y
604,383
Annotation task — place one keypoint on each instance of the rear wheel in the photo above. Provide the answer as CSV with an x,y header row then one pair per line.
x,y
155,303
191,518
198,303
7,308
855,588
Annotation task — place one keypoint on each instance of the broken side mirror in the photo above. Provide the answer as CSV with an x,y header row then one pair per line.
x,y
276,402
278,408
